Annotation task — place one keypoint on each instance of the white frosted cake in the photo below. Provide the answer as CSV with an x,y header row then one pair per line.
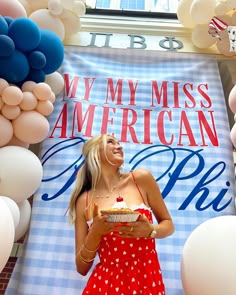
x,y
120,212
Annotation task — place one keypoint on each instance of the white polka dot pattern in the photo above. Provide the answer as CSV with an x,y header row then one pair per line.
x,y
127,266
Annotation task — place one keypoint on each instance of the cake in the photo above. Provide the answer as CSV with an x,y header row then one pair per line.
x,y
120,212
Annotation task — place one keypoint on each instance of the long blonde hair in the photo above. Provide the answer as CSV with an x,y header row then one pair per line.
x,y
89,174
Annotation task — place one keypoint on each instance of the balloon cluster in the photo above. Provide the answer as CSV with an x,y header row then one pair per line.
x,y
21,173
59,16
27,53
211,22
23,111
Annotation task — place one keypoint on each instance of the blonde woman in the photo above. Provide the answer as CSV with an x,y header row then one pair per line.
x,y
128,261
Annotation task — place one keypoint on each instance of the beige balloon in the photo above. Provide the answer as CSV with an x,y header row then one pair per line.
x,y
45,20
202,11
201,38
183,13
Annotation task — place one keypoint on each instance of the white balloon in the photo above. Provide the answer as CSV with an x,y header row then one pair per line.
x,y
202,11
68,4
201,38
71,22
231,3
14,209
55,7
56,82
45,20
7,231
183,13
25,214
21,173
208,264
221,8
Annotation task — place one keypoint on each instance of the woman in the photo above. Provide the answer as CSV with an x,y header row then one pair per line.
x,y
128,259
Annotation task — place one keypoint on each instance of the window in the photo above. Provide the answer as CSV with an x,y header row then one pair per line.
x,y
132,7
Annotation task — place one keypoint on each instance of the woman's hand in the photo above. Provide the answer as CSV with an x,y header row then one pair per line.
x,y
138,229
100,226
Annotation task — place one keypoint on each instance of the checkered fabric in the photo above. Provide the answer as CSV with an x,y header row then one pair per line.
x,y
168,111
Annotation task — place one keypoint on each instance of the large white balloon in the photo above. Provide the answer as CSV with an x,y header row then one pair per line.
x,y
25,214
201,11
56,82
14,209
21,173
45,20
201,38
7,231
208,263
183,13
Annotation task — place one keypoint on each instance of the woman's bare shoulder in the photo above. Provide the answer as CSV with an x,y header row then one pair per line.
x,y
141,173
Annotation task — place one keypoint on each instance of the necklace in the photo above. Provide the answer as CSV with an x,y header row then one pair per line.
x,y
109,191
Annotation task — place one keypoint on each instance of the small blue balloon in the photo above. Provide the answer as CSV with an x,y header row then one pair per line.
x,y
14,68
37,76
25,34
7,46
53,49
8,19
3,26
37,60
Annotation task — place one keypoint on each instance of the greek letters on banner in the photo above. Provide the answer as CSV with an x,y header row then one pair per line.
x,y
168,112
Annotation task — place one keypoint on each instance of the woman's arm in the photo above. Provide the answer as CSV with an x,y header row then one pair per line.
x,y
149,186
87,240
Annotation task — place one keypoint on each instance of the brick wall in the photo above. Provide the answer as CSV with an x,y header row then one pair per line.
x,y
6,274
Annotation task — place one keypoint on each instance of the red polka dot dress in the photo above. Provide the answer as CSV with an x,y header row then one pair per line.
x,y
127,266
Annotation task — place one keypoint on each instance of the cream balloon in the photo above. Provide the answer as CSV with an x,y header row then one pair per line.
x,y
68,4
202,12
30,127
14,209
79,8
183,13
29,101
221,8
56,82
233,135
45,20
12,95
45,107
3,84
201,38
42,91
21,173
55,7
7,232
232,99
28,86
36,4
1,103
6,130
15,141
71,22
231,3
24,222
208,262
10,112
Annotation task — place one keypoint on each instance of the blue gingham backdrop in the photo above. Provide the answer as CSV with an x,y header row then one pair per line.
x,y
195,171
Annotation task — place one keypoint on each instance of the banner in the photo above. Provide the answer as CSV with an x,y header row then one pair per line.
x,y
168,112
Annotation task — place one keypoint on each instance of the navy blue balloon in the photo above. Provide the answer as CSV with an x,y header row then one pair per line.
x,y
25,33
7,46
37,60
14,68
3,26
8,19
53,49
37,76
